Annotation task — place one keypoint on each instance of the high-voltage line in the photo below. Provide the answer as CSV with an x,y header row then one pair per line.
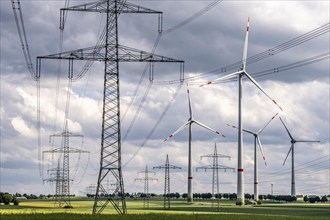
x,y
167,184
146,180
64,196
156,125
160,34
111,53
215,167
324,29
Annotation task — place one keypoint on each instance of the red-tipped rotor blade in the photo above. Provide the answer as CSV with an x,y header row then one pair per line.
x,y
177,131
267,123
208,128
247,131
189,103
261,89
228,76
261,150
246,44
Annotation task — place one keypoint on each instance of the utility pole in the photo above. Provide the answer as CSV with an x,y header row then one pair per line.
x,y
146,186
215,167
167,185
64,196
111,53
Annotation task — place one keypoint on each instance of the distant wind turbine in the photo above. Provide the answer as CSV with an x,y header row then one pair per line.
x,y
257,140
293,141
240,74
190,121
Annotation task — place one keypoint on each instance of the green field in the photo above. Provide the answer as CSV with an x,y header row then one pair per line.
x,y
180,210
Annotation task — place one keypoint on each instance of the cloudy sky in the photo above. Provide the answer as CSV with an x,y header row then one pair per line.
x,y
206,42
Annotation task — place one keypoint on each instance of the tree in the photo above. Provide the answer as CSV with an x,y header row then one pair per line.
x,y
305,198
324,199
7,198
247,196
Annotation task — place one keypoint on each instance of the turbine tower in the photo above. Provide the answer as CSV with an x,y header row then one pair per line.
x,y
111,53
167,184
240,74
189,123
293,141
257,140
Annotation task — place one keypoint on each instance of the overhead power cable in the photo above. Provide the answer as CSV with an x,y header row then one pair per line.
x,y
22,36
155,126
263,55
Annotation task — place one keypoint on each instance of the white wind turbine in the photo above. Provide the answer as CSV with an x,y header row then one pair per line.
x,y
257,140
240,74
190,121
293,141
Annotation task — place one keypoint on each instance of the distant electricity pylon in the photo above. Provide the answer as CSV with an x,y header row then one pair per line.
x,y
111,53
64,177
167,185
55,175
146,186
215,167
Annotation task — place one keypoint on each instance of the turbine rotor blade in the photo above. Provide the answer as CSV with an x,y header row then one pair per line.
x,y
228,76
189,102
287,130
288,153
246,44
261,150
178,130
261,89
267,124
308,141
247,131
208,128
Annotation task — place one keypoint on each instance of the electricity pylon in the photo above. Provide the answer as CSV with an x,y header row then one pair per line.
x,y
111,53
146,186
215,167
56,176
167,185
64,196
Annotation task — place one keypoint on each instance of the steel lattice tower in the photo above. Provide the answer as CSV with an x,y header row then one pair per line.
x,y
111,53
56,176
167,185
146,186
215,168
64,196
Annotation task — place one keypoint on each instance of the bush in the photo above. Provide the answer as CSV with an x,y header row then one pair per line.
x,y
68,207
15,201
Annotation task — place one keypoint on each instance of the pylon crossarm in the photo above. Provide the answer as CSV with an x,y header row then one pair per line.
x,y
101,7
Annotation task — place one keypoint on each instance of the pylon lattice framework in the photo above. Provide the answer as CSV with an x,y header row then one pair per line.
x,y
111,53
63,178
167,184
215,168
146,180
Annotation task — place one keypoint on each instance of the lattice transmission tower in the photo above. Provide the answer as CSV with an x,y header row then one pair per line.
x,y
63,178
55,176
111,53
146,180
215,167
167,184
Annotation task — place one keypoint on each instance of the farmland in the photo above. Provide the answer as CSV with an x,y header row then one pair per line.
x,y
45,209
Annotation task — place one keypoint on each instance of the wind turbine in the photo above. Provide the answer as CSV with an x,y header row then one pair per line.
x,y
240,74
293,141
257,140
190,121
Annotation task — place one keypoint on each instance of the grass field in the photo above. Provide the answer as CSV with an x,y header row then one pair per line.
x,y
180,210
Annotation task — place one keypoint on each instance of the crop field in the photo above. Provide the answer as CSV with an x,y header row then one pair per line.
x,y
180,210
